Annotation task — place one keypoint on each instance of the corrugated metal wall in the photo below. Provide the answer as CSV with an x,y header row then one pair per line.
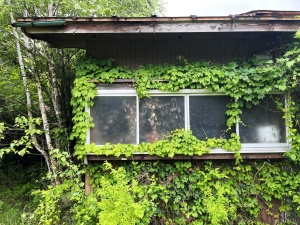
x,y
218,49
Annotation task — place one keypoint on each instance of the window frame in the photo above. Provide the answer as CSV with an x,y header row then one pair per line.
x,y
246,147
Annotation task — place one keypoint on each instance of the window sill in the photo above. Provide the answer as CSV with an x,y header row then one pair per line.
x,y
216,154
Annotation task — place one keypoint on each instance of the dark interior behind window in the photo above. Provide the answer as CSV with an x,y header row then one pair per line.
x,y
207,116
115,120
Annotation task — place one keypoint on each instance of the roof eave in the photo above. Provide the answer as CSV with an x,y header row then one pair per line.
x,y
51,29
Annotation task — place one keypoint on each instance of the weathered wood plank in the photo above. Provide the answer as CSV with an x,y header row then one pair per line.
x,y
146,157
148,27
258,16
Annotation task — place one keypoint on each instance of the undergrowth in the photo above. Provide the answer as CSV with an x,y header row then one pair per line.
x,y
18,178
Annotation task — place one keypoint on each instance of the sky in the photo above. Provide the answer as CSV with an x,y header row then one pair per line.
x,y
226,7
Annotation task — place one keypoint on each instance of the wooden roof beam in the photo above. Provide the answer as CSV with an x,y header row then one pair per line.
x,y
155,27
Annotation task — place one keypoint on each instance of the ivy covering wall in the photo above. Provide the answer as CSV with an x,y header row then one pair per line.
x,y
246,82
183,192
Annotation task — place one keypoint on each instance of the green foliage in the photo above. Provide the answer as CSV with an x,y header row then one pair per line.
x,y
177,142
193,193
23,133
57,203
183,192
2,127
83,94
124,8
176,192
116,194
246,82
24,144
163,193
17,180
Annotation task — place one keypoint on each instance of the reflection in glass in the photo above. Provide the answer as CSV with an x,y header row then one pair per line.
x,y
158,115
263,123
207,116
115,120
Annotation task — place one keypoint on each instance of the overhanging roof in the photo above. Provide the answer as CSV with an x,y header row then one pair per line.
x,y
75,32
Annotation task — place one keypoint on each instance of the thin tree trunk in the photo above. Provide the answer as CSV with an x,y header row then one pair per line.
x,y
51,164
46,126
52,73
22,67
54,89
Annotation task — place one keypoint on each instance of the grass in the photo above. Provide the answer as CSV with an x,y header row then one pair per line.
x,y
10,214
18,178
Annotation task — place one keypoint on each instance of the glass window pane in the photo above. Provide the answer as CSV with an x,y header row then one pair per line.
x,y
159,115
207,116
115,120
263,123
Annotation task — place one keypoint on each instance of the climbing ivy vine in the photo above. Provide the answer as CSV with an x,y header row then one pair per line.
x,y
245,82
200,192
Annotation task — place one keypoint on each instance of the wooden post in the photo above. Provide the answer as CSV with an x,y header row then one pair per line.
x,y
88,186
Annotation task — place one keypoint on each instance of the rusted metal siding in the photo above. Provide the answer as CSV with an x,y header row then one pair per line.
x,y
217,49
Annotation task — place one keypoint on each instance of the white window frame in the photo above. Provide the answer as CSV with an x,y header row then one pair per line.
x,y
246,148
